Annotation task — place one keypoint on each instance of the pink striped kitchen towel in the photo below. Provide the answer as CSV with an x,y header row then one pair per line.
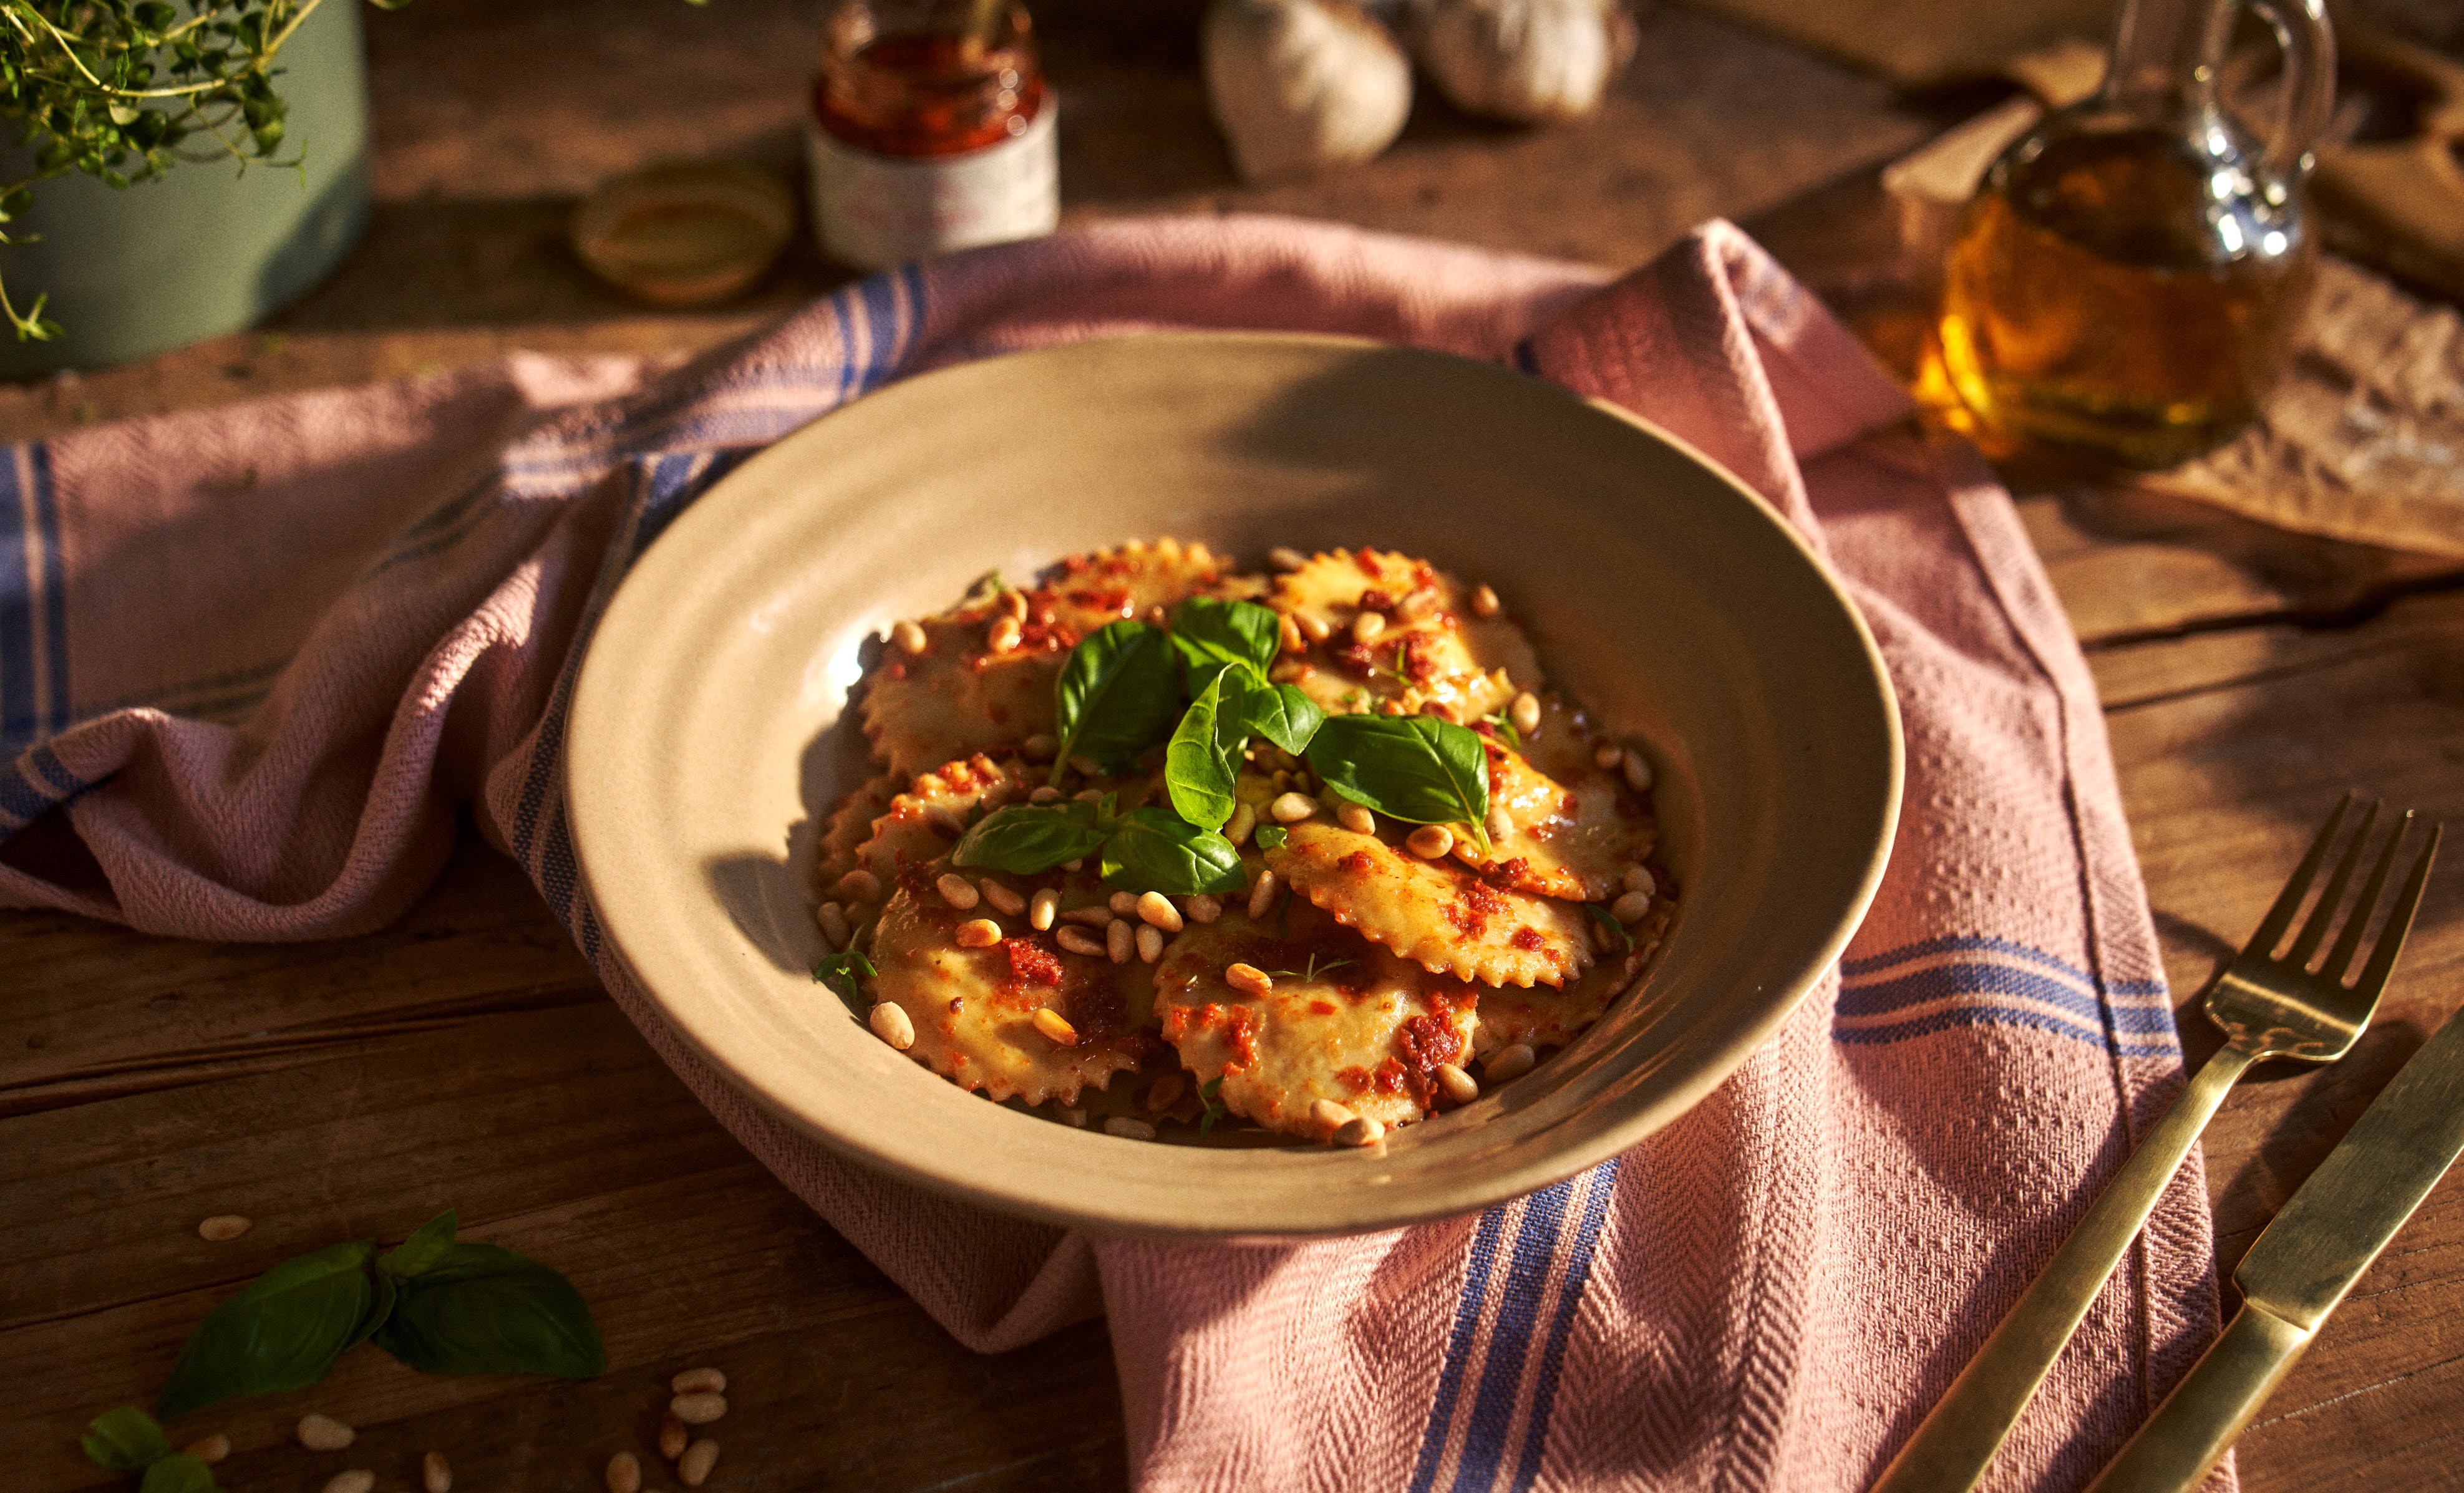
x,y
256,658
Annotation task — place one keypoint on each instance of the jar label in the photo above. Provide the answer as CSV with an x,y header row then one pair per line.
x,y
873,210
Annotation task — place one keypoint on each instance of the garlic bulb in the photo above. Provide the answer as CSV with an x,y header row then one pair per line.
x,y
1524,61
1299,85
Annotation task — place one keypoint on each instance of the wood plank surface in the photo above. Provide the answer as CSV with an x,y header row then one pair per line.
x,y
465,1057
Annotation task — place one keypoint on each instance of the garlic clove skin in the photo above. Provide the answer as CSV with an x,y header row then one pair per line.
x,y
1302,85
1523,60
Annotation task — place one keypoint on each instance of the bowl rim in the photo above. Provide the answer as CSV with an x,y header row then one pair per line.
x,y
1497,1183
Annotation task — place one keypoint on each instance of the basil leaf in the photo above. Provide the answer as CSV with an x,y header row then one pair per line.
x,y
1026,838
1272,837
1414,768
380,1309
179,1473
1118,694
1211,635
422,1249
1157,850
482,1308
1608,920
845,973
283,1332
1204,759
1282,714
124,1440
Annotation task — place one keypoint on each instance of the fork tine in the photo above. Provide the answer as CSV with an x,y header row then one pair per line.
x,y
2399,921
2341,958
2279,918
2315,930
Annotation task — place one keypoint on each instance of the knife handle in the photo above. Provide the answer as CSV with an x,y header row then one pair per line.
x,y
2210,1407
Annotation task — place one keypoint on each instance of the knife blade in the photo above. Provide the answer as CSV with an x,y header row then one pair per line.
x,y
2298,1272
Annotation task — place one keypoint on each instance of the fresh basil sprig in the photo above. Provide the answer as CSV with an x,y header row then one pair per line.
x,y
1117,696
432,1301
1026,838
1211,636
1414,768
1157,850
1202,761
1282,714
128,1440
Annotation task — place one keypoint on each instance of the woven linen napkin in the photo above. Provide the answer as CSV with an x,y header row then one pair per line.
x,y
259,656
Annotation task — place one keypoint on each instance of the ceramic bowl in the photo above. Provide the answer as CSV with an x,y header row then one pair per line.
x,y
706,743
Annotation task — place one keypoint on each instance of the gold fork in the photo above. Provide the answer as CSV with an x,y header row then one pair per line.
x,y
2268,1008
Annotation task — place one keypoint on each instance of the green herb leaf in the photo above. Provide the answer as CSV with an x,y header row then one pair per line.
x,y
424,1248
283,1332
124,1440
1309,975
482,1308
179,1473
1272,837
845,973
1155,850
1282,714
1211,1091
1118,694
1504,725
1204,759
1617,930
1414,768
1026,838
1212,635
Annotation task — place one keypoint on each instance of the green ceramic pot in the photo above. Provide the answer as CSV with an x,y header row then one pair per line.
x,y
204,249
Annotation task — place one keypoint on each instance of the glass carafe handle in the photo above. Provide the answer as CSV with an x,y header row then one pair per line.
x,y
2309,82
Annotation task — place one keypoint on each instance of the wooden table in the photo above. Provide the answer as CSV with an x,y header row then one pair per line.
x,y
465,1057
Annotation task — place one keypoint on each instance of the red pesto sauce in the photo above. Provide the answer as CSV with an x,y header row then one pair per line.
x,y
924,94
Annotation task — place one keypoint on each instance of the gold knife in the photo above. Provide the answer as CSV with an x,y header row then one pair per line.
x,y
2302,1266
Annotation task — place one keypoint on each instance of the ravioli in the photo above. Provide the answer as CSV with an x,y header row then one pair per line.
x,y
1541,1017
924,823
1344,1020
1571,840
1469,667
850,826
1440,916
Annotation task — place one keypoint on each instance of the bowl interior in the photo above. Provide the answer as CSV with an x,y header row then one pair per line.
x,y
705,746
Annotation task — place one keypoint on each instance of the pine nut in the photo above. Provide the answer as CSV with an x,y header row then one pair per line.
x,y
889,1022
1602,940
1076,1119
1282,556
1042,908
1460,1087
1261,896
1041,747
1004,635
1127,1129
1500,824
1150,944
1291,808
692,1468
1204,908
1484,602
909,637
1004,901
323,1432
1248,979
1155,910
944,821
1630,907
1077,940
224,1228
1508,1063
1314,628
671,1436
1166,1091
1014,602
1096,916
1639,878
1607,755
435,1473
704,1381
958,892
1525,712
1046,794
832,919
860,885
1288,671
210,1449
1637,772
978,932
1124,904
1280,780
1331,1116
1417,605
1119,941
1361,1132
359,1479
1430,841
1055,1028
699,1408
1356,817
1087,767
624,1473
1367,627
1243,820
1289,639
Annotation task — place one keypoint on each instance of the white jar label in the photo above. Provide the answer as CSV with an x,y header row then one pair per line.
x,y
873,210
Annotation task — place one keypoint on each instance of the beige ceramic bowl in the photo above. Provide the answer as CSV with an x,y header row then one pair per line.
x,y
706,743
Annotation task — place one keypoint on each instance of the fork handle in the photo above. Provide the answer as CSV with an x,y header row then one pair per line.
x,y
1956,1442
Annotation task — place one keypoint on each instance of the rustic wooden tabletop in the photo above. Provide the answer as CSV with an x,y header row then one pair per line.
x,y
466,1058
